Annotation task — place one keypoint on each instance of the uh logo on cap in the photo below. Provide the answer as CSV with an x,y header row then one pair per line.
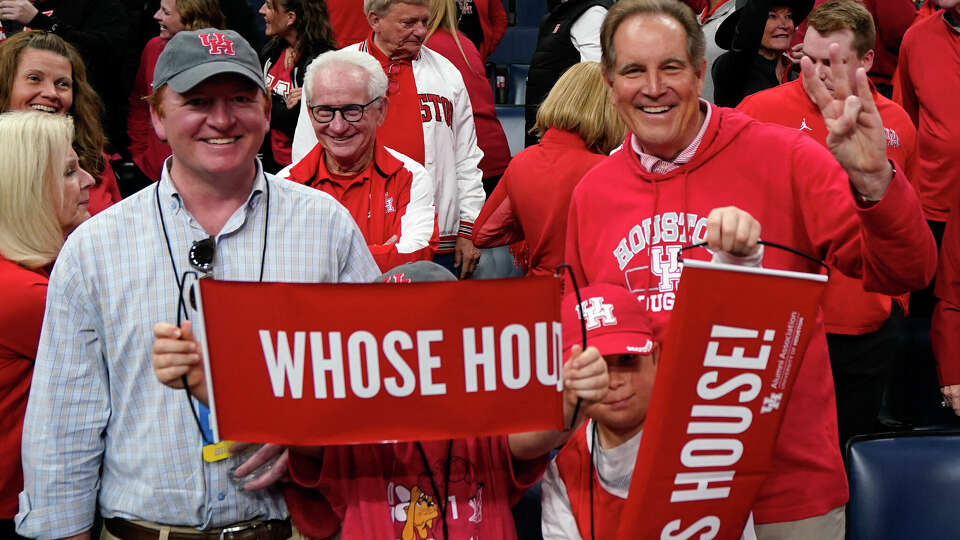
x,y
217,43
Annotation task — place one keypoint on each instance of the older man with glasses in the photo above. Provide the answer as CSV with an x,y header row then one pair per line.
x,y
389,194
99,429
430,120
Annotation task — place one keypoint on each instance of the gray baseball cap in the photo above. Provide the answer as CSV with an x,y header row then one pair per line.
x,y
194,56
415,272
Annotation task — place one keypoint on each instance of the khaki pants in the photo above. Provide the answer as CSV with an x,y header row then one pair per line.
x,y
829,526
165,530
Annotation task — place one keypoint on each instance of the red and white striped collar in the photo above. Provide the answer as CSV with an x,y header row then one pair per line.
x,y
658,165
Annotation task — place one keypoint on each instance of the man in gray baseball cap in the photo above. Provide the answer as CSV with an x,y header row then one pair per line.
x,y
100,430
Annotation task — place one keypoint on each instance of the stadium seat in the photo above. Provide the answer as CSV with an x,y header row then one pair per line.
x,y
512,119
903,485
518,83
516,47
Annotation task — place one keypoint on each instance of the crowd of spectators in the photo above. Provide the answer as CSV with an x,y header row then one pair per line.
x,y
325,141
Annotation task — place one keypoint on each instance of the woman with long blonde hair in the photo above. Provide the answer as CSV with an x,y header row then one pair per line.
x,y
578,128
444,38
44,195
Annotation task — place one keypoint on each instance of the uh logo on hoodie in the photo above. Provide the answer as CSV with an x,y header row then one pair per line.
x,y
661,235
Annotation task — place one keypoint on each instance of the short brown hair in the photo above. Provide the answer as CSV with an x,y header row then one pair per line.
x,y
578,103
837,15
625,9
197,14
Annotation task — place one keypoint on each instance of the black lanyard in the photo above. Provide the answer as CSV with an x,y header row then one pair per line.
x,y
441,502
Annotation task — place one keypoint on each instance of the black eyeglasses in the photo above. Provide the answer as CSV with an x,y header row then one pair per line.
x,y
325,114
201,255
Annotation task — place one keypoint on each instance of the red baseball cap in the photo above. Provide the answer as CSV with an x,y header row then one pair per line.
x,y
615,321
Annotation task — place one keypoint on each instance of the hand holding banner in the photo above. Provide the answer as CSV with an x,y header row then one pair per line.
x,y
723,383
315,364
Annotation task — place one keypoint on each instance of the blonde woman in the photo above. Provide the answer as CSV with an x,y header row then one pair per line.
x,y
44,195
444,38
148,151
578,128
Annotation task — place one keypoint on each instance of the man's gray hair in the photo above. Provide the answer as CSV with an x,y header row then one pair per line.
x,y
376,79
380,7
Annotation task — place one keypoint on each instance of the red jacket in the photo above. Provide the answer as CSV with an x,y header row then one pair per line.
x,y
146,149
490,136
21,316
945,326
393,197
532,199
929,78
493,22
627,224
847,308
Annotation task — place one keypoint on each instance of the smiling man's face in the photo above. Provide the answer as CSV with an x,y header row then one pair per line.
x,y
215,129
654,85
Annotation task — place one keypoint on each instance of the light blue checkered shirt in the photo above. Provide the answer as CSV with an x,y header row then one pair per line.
x,y
95,401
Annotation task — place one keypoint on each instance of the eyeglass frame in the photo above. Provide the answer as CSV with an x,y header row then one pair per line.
x,y
335,110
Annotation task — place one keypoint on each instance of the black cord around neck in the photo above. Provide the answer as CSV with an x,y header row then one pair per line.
x,y
180,281
441,503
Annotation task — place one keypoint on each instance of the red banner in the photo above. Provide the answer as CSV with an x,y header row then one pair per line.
x,y
731,352
314,364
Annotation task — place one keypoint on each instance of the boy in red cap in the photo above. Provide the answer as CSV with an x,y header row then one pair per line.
x,y
574,504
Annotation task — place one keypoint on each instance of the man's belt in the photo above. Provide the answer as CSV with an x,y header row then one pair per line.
x,y
274,529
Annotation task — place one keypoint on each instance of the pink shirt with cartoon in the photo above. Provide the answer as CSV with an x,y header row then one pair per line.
x,y
383,491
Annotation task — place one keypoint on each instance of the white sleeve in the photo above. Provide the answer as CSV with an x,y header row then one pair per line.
x,y
468,156
585,33
557,518
416,224
304,139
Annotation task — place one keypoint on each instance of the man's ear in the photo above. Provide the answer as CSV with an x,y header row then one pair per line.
x,y
867,61
157,122
373,20
384,107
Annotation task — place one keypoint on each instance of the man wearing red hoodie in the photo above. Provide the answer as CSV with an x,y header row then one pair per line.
x,y
691,172
861,335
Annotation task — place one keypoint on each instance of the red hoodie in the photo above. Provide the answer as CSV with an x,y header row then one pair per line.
x,y
626,226
847,308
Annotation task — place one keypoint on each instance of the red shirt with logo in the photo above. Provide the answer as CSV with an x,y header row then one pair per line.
x,y
847,308
626,227
379,199
280,82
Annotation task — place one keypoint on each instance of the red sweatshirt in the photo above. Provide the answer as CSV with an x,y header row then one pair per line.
x,y
929,79
105,192
945,326
847,308
390,199
532,199
626,226
146,149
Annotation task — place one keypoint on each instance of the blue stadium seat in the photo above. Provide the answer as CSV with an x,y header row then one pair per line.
x,y
903,486
517,83
512,119
516,47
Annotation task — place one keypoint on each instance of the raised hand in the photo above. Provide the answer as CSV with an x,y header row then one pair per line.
x,y
856,136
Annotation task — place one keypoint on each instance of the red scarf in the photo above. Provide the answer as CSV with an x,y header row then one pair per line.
x,y
403,128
